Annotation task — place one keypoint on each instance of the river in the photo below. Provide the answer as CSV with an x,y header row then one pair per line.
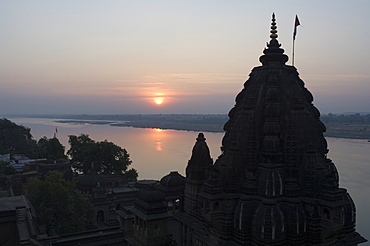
x,y
156,152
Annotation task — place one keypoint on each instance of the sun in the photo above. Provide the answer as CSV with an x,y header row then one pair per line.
x,y
158,100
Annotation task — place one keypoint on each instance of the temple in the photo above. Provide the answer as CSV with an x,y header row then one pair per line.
x,y
273,183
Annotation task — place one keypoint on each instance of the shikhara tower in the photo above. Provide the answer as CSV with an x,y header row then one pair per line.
x,y
273,183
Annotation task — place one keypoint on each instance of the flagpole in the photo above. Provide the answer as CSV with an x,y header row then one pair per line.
x,y
293,53
296,23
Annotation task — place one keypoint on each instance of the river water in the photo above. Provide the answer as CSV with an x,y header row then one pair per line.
x,y
156,152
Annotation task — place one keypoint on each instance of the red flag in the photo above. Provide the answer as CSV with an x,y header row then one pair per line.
x,y
296,23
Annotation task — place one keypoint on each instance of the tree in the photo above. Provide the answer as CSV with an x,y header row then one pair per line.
x,y
50,149
81,152
62,209
107,157
6,168
111,158
16,139
131,174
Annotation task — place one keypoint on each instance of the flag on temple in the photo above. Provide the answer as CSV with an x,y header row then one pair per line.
x,y
296,23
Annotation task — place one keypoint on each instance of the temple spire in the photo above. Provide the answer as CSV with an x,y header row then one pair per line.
x,y
273,27
273,53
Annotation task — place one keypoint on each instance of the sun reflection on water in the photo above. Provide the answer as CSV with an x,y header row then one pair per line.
x,y
159,133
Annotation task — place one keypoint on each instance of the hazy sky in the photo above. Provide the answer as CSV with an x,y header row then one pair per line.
x,y
115,56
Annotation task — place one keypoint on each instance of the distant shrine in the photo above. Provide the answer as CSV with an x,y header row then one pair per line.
x,y
273,183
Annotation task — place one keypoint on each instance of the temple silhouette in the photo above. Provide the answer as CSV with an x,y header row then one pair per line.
x,y
273,183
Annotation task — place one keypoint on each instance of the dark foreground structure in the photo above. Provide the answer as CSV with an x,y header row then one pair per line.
x,y
273,183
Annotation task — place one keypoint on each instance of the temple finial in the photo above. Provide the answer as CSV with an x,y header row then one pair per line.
x,y
273,28
273,53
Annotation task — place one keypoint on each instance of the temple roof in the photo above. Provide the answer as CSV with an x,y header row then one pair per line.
x,y
274,125
274,164
172,179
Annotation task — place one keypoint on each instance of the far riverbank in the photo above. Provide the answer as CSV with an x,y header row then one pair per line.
x,y
348,126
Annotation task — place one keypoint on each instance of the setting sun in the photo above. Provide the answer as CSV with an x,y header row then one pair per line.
x,y
158,100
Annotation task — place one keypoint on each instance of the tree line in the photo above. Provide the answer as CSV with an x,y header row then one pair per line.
x,y
108,158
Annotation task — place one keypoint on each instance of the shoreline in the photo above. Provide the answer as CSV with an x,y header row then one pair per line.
x,y
195,128
192,122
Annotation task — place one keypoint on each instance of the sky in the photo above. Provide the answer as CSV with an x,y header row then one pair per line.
x,y
120,56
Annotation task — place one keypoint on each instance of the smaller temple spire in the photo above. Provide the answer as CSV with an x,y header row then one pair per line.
x,y
273,27
200,160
